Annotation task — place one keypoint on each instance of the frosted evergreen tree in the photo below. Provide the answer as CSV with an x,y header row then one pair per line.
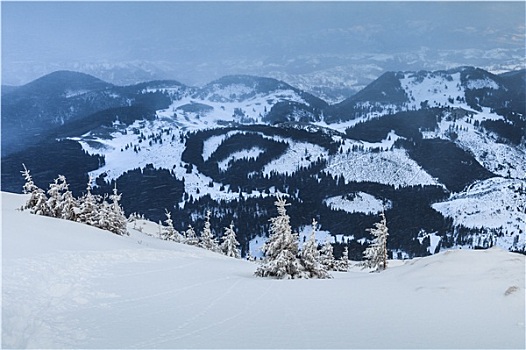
x,y
281,248
327,255
102,218
230,245
89,206
169,233
376,254
310,257
343,264
190,236
117,218
70,206
207,239
37,202
55,193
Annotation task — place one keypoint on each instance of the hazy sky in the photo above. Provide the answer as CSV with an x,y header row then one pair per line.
x,y
201,32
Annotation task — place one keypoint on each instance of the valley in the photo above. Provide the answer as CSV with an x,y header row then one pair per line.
x,y
422,146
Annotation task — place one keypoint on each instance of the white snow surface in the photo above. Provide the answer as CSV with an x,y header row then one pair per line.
x,y
393,167
297,155
252,153
361,203
435,88
68,285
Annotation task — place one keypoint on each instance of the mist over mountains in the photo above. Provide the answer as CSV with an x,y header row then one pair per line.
x,y
330,49
332,77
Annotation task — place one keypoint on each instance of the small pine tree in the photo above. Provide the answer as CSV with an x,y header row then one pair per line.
x,y
102,218
56,192
376,254
310,257
169,233
190,236
343,264
230,245
118,222
89,207
327,256
281,248
207,239
70,206
37,202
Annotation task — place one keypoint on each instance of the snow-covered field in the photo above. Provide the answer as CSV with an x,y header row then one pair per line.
x,y
67,285
393,167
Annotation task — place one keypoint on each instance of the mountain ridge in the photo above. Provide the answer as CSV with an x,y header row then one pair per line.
x,y
231,145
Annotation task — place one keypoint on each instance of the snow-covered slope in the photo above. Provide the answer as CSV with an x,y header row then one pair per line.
x,y
496,204
66,285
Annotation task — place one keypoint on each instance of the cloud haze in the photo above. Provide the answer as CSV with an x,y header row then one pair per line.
x,y
213,37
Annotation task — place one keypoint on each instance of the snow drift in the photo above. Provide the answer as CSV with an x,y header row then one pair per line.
x,y
67,285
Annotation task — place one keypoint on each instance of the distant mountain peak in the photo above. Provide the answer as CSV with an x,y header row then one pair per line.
x,y
63,81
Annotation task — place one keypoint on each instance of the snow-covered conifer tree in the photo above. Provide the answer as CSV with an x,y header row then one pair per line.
x,y
55,192
190,236
89,206
376,254
169,232
343,263
118,222
37,202
207,239
310,257
327,255
102,218
70,205
281,248
230,245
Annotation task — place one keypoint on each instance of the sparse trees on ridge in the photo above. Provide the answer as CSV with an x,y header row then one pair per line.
x,y
88,209
282,257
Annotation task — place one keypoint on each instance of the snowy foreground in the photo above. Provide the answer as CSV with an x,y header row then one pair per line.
x,y
67,285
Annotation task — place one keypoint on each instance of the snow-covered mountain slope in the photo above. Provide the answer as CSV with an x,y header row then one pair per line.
x,y
463,128
498,205
358,203
392,167
466,87
67,285
410,139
